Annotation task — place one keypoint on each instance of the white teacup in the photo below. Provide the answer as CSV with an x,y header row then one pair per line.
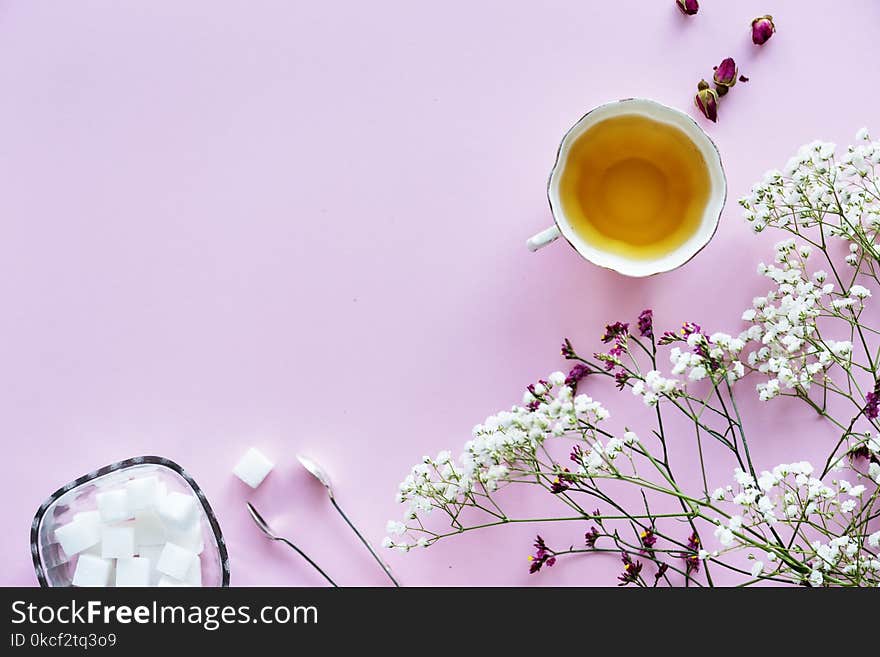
x,y
630,266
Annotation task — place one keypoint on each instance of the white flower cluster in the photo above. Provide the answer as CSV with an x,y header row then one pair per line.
x,y
599,458
654,386
715,356
784,323
790,495
813,187
499,445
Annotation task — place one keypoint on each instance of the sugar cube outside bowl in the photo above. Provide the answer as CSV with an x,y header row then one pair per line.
x,y
70,517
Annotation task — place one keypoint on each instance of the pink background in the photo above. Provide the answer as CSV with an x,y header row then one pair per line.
x,y
301,226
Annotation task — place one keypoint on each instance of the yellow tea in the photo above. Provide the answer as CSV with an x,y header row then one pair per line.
x,y
634,186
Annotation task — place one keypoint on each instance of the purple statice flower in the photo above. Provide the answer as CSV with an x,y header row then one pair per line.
x,y
578,372
669,337
631,570
691,557
687,329
661,571
577,455
610,360
543,556
591,536
648,539
618,334
620,379
872,407
562,482
567,350
614,331
646,323
618,350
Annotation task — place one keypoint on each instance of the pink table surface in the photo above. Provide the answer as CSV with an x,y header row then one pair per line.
x,y
301,226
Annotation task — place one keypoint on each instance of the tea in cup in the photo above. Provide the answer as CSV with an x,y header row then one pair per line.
x,y
637,187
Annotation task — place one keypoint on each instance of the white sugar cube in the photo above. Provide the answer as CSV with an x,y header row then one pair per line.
x,y
178,511
117,542
90,517
113,505
95,549
142,492
170,581
77,536
175,561
92,571
194,574
148,528
191,539
152,552
253,467
133,572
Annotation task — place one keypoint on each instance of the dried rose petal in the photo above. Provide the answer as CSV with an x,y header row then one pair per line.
x,y
706,101
762,29
689,7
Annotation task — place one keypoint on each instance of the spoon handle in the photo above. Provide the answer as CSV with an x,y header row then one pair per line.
x,y
307,558
365,542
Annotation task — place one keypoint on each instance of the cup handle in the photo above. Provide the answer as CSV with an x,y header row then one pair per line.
x,y
543,238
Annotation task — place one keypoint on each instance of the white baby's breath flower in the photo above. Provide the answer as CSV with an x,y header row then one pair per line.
x,y
724,535
856,491
395,528
859,292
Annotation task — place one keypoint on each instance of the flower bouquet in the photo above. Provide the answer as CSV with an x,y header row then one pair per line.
x,y
622,491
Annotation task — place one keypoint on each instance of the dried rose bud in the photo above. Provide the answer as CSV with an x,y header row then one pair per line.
x,y
762,29
689,7
726,73
706,101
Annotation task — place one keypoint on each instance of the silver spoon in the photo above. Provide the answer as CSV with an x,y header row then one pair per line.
x,y
318,473
267,530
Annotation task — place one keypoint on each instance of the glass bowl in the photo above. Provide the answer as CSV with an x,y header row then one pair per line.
x,y
54,568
